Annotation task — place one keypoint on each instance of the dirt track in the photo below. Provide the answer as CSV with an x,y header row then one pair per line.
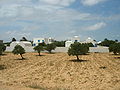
x,y
97,71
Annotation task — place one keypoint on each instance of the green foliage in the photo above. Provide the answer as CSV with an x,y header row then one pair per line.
x,y
90,45
23,39
18,50
42,44
39,48
78,49
13,39
107,42
2,48
35,86
59,43
7,43
50,47
115,48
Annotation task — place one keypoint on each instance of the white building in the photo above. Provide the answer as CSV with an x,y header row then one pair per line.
x,y
68,43
21,43
71,41
90,40
25,44
76,39
36,41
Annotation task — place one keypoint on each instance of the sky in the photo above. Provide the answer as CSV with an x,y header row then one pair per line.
x,y
59,19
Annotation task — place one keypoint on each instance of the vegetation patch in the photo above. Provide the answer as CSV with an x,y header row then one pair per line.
x,y
77,49
37,87
2,67
102,67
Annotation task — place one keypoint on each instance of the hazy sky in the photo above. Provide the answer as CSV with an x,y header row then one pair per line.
x,y
60,19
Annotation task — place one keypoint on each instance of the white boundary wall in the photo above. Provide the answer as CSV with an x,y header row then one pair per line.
x,y
98,49
65,49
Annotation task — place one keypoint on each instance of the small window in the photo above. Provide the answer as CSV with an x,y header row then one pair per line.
x,y
42,40
38,40
34,44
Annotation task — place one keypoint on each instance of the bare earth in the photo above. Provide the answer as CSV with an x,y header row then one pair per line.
x,y
97,71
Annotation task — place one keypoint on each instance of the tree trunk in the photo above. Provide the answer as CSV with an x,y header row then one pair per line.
x,y
77,57
50,51
21,56
39,54
0,57
115,53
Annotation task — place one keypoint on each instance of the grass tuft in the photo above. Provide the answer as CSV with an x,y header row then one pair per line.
x,y
2,67
37,87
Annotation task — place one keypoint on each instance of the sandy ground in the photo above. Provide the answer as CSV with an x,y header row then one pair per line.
x,y
97,71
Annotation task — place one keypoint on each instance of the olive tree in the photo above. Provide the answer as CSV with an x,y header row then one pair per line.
x,y
39,48
107,42
13,39
2,48
77,49
19,50
50,47
115,48
23,39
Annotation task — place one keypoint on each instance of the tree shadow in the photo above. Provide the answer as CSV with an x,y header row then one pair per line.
x,y
39,55
75,60
87,54
96,52
50,53
21,59
2,67
3,54
102,67
117,57
114,54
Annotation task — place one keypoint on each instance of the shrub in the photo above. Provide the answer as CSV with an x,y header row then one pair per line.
x,y
50,47
107,42
39,48
2,48
90,45
115,48
23,39
18,50
13,39
77,49
59,43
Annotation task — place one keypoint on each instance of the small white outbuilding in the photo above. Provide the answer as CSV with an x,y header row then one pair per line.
x,y
36,41
68,43
25,44
21,43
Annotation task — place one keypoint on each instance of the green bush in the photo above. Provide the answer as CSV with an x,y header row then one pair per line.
x,y
39,48
18,50
13,39
23,39
77,49
107,42
115,48
2,48
50,47
59,43
90,45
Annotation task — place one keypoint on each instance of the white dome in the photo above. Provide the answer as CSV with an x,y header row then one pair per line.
x,y
89,38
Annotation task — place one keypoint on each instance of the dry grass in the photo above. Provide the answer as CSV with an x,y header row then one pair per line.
x,y
97,71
